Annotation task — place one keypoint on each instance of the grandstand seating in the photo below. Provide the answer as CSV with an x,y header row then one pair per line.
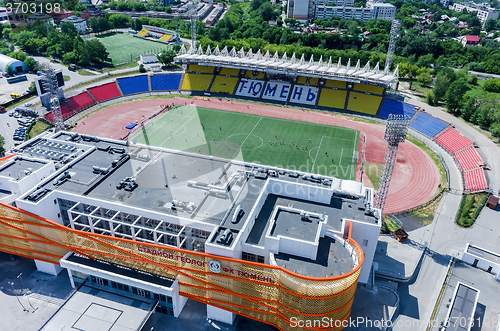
x,y
368,88
307,80
135,84
143,33
475,180
468,159
335,83
428,125
255,74
165,82
452,141
194,82
230,72
332,98
224,84
166,37
397,108
104,92
65,111
80,101
363,103
200,69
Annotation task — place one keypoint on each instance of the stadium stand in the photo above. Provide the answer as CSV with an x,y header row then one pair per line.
x,y
307,80
132,85
468,159
223,84
80,101
363,103
165,38
65,111
194,82
391,106
368,88
332,98
230,72
200,69
165,82
428,125
475,180
453,141
255,74
335,83
104,92
142,33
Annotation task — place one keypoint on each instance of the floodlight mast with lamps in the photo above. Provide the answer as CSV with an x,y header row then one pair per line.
x,y
50,84
395,133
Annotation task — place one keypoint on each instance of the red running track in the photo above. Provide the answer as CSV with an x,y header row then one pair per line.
x,y
415,176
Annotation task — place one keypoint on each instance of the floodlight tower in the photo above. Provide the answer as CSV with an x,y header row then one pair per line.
x,y
194,17
392,45
395,133
50,84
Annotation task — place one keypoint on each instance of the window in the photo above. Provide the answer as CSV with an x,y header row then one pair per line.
x,y
365,242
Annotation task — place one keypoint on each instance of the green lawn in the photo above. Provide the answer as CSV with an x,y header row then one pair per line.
x,y
123,48
322,149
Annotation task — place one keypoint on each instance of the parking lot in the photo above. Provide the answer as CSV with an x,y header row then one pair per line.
x,y
14,125
18,88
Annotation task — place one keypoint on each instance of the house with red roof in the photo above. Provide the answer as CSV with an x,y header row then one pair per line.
x,y
470,41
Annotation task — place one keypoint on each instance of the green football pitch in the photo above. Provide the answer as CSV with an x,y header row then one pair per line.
x,y
124,48
301,146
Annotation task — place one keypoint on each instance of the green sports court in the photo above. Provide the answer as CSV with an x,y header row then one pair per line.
x,y
301,146
124,48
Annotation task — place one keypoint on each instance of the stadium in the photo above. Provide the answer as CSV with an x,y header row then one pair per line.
x,y
235,197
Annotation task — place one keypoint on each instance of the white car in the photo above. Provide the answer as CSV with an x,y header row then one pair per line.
x,y
27,104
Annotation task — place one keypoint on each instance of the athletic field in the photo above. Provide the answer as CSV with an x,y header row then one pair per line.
x,y
124,48
316,148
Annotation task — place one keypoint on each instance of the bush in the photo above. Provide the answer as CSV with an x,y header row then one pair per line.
x,y
430,98
492,85
141,68
473,80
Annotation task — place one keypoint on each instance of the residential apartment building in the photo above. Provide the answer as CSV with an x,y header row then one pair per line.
x,y
484,13
308,10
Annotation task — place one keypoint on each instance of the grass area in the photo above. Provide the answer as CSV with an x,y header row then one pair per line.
x,y
373,170
470,207
38,128
84,72
247,138
442,173
66,78
390,224
125,66
426,215
124,48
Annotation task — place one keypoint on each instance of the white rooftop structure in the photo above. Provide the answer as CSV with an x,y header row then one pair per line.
x,y
282,65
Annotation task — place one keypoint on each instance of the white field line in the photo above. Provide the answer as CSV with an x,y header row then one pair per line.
x,y
319,147
238,150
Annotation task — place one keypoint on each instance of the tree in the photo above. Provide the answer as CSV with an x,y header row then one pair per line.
x,y
455,95
9,70
440,87
492,85
424,78
141,68
167,57
490,25
266,11
2,142
69,29
31,64
425,60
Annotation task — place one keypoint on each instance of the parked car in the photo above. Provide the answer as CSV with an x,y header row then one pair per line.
x,y
27,104
72,67
11,114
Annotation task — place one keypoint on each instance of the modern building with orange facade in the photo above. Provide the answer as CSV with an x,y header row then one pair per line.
x,y
270,244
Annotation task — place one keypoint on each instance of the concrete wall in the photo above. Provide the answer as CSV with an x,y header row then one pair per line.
x,y
321,194
219,314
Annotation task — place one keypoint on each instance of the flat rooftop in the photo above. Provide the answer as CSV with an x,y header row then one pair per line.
x,y
17,168
333,259
336,210
495,258
291,224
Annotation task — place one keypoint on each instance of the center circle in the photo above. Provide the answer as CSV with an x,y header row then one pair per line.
x,y
251,141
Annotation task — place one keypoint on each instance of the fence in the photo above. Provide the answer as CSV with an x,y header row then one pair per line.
x,y
16,100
